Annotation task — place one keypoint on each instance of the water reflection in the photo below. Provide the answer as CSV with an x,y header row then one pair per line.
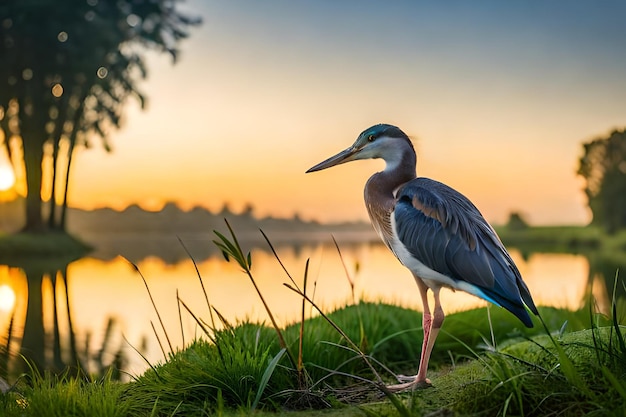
x,y
90,311
37,322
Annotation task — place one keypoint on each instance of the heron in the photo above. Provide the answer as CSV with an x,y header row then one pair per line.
x,y
435,232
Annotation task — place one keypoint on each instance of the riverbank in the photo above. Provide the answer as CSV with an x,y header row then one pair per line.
x,y
493,366
552,239
22,247
567,239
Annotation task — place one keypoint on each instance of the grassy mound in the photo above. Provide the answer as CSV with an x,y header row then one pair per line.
x,y
24,246
241,368
580,373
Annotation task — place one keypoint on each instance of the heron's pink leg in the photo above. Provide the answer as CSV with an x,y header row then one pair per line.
x,y
427,320
432,324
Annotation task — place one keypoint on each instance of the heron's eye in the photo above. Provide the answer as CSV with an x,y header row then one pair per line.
x,y
370,138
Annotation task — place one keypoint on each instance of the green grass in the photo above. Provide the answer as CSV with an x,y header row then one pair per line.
x,y
62,396
522,375
528,378
484,363
199,378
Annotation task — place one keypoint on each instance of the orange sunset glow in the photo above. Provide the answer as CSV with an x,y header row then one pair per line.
x,y
498,99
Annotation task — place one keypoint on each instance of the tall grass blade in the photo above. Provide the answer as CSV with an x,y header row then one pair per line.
x,y
231,250
302,319
154,410
615,321
362,336
345,269
156,334
473,352
180,318
278,259
153,305
493,336
195,265
302,375
234,250
198,321
266,377
225,322
566,365
506,405
142,357
337,328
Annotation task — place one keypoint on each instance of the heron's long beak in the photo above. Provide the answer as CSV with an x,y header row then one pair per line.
x,y
346,155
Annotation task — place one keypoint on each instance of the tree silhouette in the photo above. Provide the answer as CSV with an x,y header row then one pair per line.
x,y
67,69
603,166
516,221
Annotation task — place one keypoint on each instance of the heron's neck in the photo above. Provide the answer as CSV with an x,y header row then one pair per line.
x,y
399,169
381,187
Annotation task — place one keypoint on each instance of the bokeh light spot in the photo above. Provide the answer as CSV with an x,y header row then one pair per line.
x,y
7,176
27,74
57,90
133,20
7,298
102,72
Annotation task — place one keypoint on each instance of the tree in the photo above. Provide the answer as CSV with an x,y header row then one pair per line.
x,y
516,221
66,71
603,166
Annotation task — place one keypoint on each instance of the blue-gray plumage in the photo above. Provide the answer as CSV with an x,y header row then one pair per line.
x,y
456,241
436,232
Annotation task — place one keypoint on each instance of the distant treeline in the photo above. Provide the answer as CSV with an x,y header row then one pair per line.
x,y
170,219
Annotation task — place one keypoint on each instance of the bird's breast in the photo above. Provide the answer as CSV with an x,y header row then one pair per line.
x,y
380,220
380,202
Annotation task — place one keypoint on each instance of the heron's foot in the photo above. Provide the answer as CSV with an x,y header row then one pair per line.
x,y
408,383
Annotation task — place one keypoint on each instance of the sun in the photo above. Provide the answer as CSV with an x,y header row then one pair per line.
x,y
7,298
7,177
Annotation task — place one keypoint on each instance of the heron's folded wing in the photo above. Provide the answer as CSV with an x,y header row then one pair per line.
x,y
443,230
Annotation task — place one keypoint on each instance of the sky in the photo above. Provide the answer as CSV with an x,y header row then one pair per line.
x,y
498,98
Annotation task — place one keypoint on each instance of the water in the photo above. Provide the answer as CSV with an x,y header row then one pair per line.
x,y
60,312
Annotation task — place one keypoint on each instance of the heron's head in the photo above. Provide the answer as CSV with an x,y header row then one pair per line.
x,y
379,141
